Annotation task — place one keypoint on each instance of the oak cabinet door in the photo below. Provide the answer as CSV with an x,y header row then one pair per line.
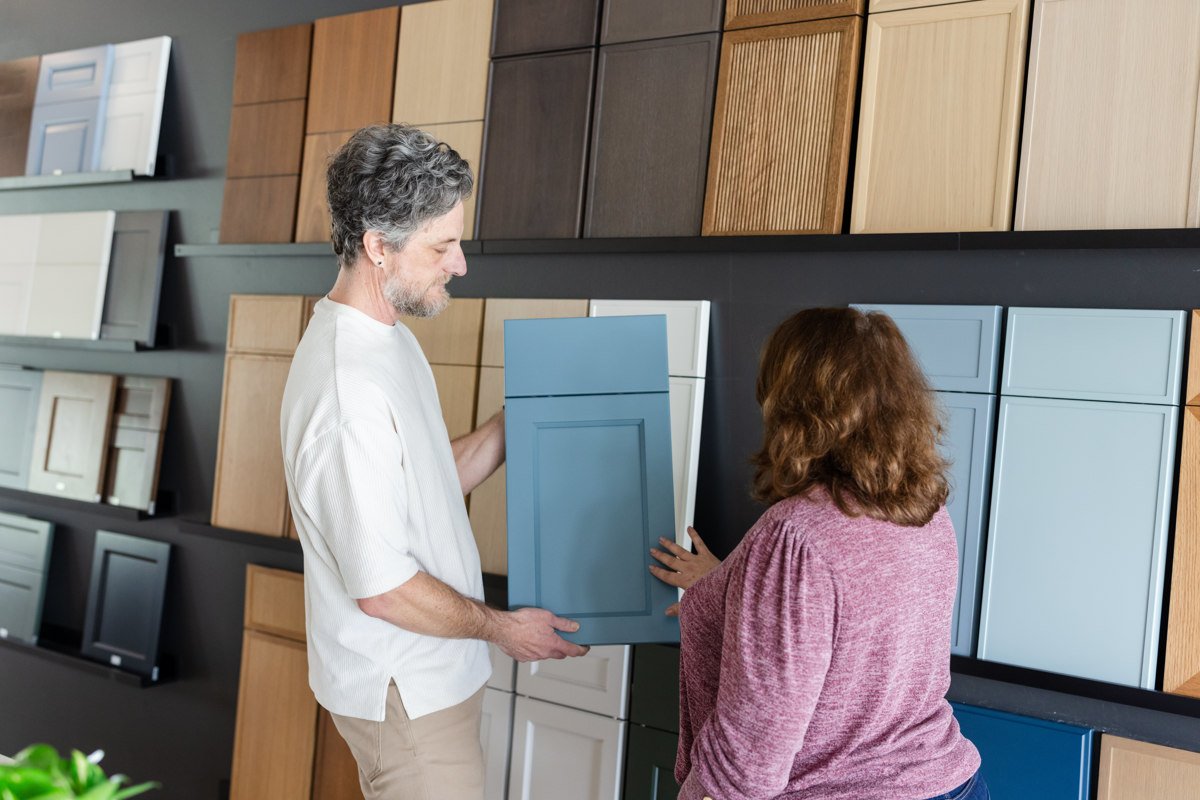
x,y
353,70
275,739
312,213
596,682
272,64
456,388
1110,140
650,765
1027,757
1181,669
70,439
781,134
756,13
267,324
20,395
18,90
266,139
1132,770
452,337
939,117
275,602
259,210
641,20
536,144
660,95
548,736
538,26
135,277
495,735
442,62
134,113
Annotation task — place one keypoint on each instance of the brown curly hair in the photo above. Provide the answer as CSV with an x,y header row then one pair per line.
x,y
846,407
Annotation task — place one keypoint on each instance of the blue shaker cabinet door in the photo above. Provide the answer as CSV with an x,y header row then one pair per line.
x,y
968,446
1026,758
65,137
1077,538
958,346
589,492
74,75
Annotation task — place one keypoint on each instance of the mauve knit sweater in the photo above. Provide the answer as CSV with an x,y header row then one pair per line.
x,y
815,662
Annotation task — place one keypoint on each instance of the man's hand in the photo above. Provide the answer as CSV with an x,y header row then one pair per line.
x,y
528,634
684,568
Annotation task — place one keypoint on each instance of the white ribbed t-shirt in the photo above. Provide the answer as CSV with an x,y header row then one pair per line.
x,y
376,497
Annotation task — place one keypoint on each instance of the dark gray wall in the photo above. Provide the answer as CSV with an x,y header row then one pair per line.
x,y
182,732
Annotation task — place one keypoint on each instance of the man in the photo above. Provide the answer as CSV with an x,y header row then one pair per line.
x,y
393,589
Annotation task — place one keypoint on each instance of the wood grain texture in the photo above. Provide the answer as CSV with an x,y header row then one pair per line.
x,y
265,139
1132,770
335,773
267,324
353,70
536,146
259,210
275,602
1192,392
18,90
275,738
756,13
660,95
1181,667
640,20
539,26
442,62
71,435
466,138
452,337
272,65
489,509
880,6
940,115
498,309
456,388
1110,137
312,214
781,131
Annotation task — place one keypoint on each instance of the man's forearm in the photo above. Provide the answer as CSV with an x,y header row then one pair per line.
x,y
479,453
425,605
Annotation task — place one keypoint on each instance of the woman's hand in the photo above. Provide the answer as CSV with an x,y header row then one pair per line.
x,y
682,568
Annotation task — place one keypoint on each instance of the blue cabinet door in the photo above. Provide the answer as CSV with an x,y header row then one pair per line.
x,y
968,446
1026,758
1077,537
67,129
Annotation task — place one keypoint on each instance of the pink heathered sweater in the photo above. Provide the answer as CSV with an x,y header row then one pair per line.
x,y
815,662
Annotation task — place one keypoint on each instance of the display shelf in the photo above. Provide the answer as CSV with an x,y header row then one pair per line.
x,y
161,506
67,179
200,528
104,345
284,250
69,656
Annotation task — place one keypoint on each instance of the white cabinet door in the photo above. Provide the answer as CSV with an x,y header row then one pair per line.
x,y
504,670
687,412
596,682
70,275
135,103
560,753
495,734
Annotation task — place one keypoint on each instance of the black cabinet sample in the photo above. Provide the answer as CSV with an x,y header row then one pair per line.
x,y
540,26
24,558
650,765
125,601
654,693
536,146
134,277
651,129
20,390
638,20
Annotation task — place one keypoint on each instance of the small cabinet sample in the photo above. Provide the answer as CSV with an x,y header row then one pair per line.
x,y
536,144
641,20
589,472
135,450
781,134
20,395
24,559
658,94
1181,669
650,765
71,436
125,602
538,26
939,117
69,113
1132,770
1027,757
18,90
70,275
495,735
135,277
1083,475
547,736
756,13
1110,137
596,682
135,101
442,62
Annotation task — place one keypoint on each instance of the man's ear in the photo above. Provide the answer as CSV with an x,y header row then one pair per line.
x,y
373,246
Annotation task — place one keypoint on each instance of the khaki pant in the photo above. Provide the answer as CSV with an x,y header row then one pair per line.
x,y
434,757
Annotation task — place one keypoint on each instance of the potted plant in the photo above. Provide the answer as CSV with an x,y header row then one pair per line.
x,y
39,773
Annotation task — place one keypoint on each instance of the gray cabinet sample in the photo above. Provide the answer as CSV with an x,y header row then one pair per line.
x,y
639,20
135,277
536,146
125,602
20,392
70,439
24,558
69,113
135,448
649,150
539,26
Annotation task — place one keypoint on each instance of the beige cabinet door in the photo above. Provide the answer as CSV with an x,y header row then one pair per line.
x,y
781,130
442,62
275,601
456,387
1132,770
938,122
1110,116
312,213
71,436
452,337
489,507
467,140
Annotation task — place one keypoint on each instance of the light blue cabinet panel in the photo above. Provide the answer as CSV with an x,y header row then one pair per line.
x,y
585,356
1077,537
75,75
958,346
21,593
1026,758
65,137
968,446
589,492
20,390
1094,354
25,542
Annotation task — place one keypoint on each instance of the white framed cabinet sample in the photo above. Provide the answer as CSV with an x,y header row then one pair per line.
x,y
133,115
597,682
560,752
70,275
1081,490
19,232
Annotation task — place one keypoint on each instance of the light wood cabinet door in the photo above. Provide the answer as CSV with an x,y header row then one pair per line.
x,y
353,70
547,736
442,62
489,506
266,324
74,417
335,773
312,212
1132,770
18,88
756,13
259,210
452,337
272,64
938,123
781,132
1110,117
275,601
596,682
466,138
265,139
1181,669
275,740
456,388
498,310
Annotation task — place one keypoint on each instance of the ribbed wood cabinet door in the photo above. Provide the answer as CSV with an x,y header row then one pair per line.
x,y
756,13
1132,770
939,117
18,88
781,131
1110,136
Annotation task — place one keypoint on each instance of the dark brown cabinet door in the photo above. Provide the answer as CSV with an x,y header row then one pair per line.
x,y
639,20
754,13
650,137
18,87
539,26
265,139
536,146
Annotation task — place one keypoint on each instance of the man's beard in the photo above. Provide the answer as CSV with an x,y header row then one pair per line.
x,y
410,300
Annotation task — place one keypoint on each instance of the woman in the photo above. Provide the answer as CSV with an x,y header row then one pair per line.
x,y
816,658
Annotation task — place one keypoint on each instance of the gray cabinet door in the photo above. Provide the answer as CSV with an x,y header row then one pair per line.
x,y
135,277
539,26
25,542
1077,538
20,392
21,594
639,20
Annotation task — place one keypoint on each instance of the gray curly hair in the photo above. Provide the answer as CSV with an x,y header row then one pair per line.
x,y
392,179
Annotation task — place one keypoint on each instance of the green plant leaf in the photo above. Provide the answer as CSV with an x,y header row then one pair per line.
x,y
39,756
26,781
105,791
135,790
79,772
